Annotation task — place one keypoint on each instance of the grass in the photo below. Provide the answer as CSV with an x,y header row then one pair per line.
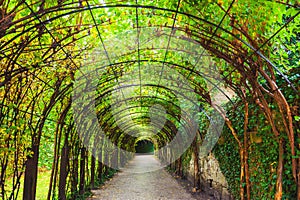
x,y
42,185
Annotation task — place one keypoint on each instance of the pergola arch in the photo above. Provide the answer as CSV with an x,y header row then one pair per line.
x,y
61,51
253,49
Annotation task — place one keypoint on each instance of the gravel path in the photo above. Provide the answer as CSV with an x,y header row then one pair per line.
x,y
138,181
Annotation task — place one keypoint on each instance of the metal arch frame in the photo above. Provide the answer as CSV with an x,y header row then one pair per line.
x,y
174,64
163,100
125,122
62,93
215,31
103,45
166,130
130,125
255,51
115,129
169,40
53,54
122,6
138,43
51,35
150,85
197,73
109,119
113,122
131,107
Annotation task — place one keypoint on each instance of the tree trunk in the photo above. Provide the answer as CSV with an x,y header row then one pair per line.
x,y
74,182
298,180
87,171
82,170
93,163
100,170
55,159
247,175
278,194
63,171
179,166
31,169
31,174
107,162
242,175
100,162
196,166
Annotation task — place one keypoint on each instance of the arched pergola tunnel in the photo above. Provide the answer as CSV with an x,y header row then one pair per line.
x,y
95,78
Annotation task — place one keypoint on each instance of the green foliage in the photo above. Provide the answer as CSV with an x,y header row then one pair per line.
x,y
263,158
228,156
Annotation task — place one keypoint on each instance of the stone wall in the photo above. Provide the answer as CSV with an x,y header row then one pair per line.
x,y
212,180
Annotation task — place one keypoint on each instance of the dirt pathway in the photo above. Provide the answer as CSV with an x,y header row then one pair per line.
x,y
144,183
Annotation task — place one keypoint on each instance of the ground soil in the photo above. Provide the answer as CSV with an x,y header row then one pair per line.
x,y
144,178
